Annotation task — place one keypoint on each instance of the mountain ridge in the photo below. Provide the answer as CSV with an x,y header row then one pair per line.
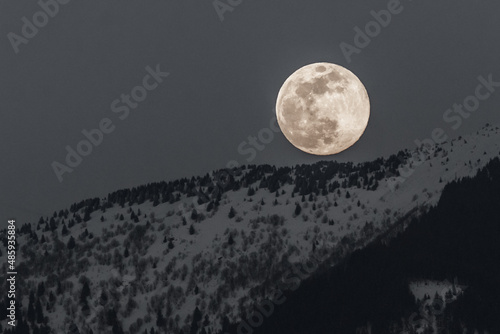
x,y
217,244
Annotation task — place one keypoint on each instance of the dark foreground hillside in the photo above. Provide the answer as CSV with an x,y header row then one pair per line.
x,y
457,240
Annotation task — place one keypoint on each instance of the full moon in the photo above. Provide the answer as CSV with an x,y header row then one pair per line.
x,y
323,109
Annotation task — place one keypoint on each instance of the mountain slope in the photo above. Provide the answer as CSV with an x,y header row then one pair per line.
x,y
371,291
160,255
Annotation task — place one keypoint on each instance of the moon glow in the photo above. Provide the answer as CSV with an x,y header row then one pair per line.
x,y
323,109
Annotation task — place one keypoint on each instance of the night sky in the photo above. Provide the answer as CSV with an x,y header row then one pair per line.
x,y
223,80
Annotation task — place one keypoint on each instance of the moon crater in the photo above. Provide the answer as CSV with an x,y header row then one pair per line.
x,y
323,108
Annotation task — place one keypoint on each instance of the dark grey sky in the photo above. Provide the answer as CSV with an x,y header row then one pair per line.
x,y
224,78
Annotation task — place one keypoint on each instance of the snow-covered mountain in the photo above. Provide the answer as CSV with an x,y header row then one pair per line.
x,y
192,254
